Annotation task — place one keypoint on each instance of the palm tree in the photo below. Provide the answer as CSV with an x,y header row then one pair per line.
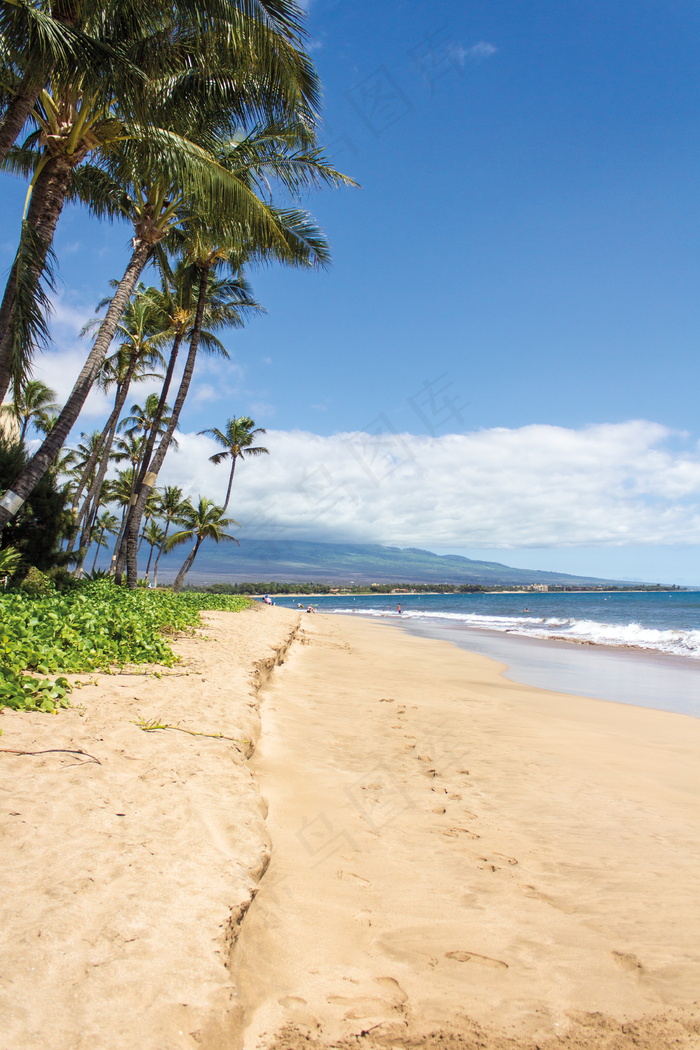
x,y
138,352
239,300
203,522
145,420
237,440
156,207
203,66
32,404
106,523
170,508
287,156
154,537
161,178
35,41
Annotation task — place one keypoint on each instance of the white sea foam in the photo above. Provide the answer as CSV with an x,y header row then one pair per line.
x,y
677,642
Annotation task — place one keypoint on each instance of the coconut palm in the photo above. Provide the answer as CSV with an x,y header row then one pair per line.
x,y
170,508
132,362
153,536
223,200
232,299
162,180
237,441
32,404
178,302
203,522
107,523
288,157
145,420
36,40
242,58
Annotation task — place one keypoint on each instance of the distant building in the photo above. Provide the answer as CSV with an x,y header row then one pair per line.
x,y
540,586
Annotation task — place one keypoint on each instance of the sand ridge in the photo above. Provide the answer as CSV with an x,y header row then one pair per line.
x,y
123,882
457,854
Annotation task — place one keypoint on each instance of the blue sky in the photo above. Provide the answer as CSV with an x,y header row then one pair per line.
x,y
523,254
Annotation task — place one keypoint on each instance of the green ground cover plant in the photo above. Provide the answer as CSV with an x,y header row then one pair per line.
x,y
99,626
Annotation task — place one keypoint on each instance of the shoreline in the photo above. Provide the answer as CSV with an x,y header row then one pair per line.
x,y
429,621
619,674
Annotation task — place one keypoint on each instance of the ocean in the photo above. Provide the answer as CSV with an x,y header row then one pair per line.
x,y
637,647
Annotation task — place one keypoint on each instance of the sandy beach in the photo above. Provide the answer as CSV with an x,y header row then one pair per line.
x,y
456,859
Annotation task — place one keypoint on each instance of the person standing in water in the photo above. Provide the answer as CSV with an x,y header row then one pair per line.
x,y
398,608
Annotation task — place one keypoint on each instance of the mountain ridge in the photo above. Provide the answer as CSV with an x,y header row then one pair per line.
x,y
301,561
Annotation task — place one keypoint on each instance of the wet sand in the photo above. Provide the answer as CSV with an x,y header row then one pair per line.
x,y
624,675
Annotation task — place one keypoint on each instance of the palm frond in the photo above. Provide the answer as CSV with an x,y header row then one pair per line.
x,y
32,304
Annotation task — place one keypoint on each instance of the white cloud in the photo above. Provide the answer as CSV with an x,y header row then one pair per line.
x,y
477,52
59,370
204,392
537,486
60,366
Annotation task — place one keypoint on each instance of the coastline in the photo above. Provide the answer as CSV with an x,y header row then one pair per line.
x,y
625,674
457,860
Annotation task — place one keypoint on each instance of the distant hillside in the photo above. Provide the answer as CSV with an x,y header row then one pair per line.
x,y
296,561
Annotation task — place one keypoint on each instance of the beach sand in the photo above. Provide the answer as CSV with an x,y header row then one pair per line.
x,y
122,884
459,854
457,859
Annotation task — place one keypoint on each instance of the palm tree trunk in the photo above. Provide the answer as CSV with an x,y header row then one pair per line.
x,y
102,449
91,503
150,557
91,508
24,484
230,481
45,206
16,114
156,463
160,410
160,551
118,542
150,443
186,566
99,544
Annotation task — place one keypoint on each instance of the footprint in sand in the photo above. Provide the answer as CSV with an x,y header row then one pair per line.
x,y
456,832
360,1008
393,987
628,961
485,960
535,894
353,876
495,860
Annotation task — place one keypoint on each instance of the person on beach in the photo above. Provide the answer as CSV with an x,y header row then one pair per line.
x,y
311,609
398,609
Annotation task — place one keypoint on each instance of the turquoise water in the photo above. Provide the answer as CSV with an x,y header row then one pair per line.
x,y
640,648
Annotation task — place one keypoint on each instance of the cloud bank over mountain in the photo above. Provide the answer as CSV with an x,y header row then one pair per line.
x,y
536,486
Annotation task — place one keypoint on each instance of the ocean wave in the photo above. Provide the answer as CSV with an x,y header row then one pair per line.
x,y
677,642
